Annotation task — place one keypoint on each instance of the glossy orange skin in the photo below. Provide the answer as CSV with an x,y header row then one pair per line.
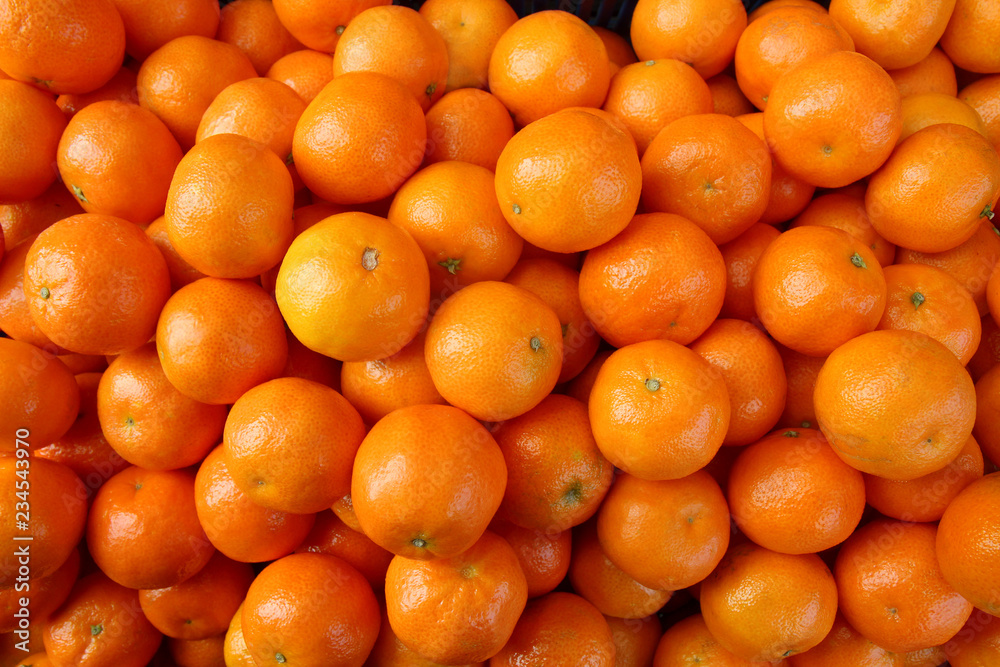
x,y
207,652
289,444
800,371
320,23
338,627
970,24
944,309
769,7
703,33
666,535
892,589
789,492
150,25
544,556
494,350
966,543
977,643
602,583
391,652
200,327
833,120
201,606
932,74
253,27
635,640
400,454
124,638
727,98
897,432
926,498
95,284
305,72
894,36
987,355
45,399
547,61
846,646
470,125
925,109
330,535
688,641
471,32
649,96
57,515
399,43
848,213
354,287
25,219
838,291
550,190
30,127
658,410
234,650
238,527
690,169
457,609
984,96
559,629
661,278
44,594
763,605
61,47
784,39
740,257
986,430
556,475
181,273
359,139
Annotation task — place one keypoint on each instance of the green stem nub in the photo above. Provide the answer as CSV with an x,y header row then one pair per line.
x,y
517,209
535,343
858,261
280,658
451,264
652,384
44,292
917,299
96,630
418,543
987,213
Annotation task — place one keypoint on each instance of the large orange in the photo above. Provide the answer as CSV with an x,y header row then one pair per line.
x,y
569,181
547,61
740,257
470,30
409,500
846,212
354,287
846,136
95,284
896,35
887,428
30,127
319,23
150,25
470,125
559,629
359,139
254,28
38,393
973,25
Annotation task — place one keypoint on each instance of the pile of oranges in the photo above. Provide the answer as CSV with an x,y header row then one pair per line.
x,y
346,333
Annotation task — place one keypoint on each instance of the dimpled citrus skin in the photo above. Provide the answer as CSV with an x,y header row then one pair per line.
x,y
30,127
45,399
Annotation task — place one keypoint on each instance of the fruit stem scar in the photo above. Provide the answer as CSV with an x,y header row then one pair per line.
x,y
451,264
535,343
650,63
517,209
96,630
652,384
339,29
289,160
431,88
827,149
280,658
987,212
791,434
418,543
369,259
916,299
78,193
857,261
44,292
129,421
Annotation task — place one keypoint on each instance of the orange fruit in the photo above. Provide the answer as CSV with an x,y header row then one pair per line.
x,y
494,350
201,606
559,629
330,535
39,394
691,169
660,278
547,180
359,139
100,624
218,338
150,25
179,80
389,651
846,646
305,72
702,33
765,605
43,594
117,159
984,97
620,52
207,652
337,627
547,61
800,371
354,287
967,543
772,5
892,589
933,74
319,23
666,535
677,416
779,42
838,293
599,581
457,609
55,517
971,27
727,98
95,284
408,447
253,27
450,209
897,36
740,257
229,207
635,640
238,527
987,355
688,641
977,643
181,273
25,219
846,137
544,556
751,367
847,213
789,492
926,109
470,125
470,32
289,444
890,430
30,127
987,409
926,299
63,46
649,96
234,650
556,475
